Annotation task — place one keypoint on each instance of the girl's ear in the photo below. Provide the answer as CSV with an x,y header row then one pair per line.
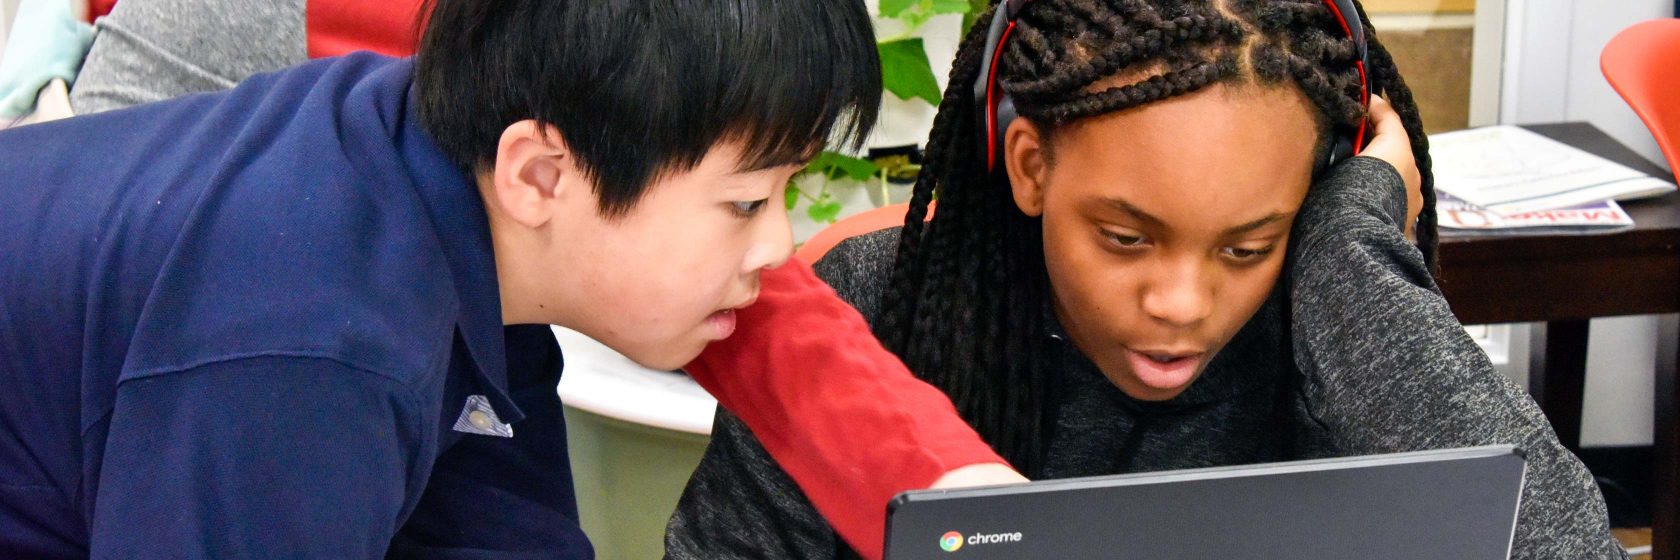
x,y
1026,160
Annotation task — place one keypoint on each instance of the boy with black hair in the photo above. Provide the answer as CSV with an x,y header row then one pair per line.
x,y
306,317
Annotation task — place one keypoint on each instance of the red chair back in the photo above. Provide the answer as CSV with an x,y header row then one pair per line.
x,y
1640,62
889,216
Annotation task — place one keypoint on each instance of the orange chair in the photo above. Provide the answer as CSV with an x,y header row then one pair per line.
x,y
889,216
1640,63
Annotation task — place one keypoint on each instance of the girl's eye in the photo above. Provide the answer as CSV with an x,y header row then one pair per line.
x,y
1244,254
747,209
1125,241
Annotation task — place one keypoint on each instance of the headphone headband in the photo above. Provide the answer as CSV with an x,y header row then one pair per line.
x,y
1347,14
997,110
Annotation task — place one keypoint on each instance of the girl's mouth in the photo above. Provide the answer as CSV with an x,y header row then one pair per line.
x,y
1164,370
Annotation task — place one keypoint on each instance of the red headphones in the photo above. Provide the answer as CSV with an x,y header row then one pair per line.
x,y
999,110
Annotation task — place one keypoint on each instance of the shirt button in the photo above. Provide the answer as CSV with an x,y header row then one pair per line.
x,y
479,419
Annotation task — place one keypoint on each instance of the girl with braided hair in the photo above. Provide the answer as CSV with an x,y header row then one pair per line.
x,y
1158,267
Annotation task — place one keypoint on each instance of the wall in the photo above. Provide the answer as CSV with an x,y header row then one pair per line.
x,y
1411,6
1432,46
8,8
1551,74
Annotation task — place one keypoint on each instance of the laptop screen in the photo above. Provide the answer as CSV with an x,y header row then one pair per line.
x,y
1459,503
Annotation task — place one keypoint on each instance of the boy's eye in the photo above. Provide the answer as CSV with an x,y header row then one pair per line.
x,y
748,208
1246,254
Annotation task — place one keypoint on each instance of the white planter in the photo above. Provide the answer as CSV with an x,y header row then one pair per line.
x,y
634,436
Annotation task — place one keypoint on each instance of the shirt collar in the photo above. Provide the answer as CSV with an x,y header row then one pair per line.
x,y
458,216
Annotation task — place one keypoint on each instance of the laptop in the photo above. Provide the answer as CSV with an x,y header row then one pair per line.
x,y
1455,503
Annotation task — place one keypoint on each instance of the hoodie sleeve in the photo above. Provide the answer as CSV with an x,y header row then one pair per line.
x,y
1388,368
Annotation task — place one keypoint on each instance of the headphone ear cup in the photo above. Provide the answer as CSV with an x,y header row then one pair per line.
x,y
1344,149
1340,151
1005,116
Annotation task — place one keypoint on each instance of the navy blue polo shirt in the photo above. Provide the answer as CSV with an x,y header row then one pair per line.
x,y
265,323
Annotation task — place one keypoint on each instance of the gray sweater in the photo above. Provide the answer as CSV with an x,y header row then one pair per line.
x,y
1380,365
151,50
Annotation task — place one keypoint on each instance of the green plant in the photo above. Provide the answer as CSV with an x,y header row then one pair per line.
x,y
905,73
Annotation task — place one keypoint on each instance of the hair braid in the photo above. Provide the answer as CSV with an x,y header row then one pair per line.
x,y
1152,89
950,143
1386,80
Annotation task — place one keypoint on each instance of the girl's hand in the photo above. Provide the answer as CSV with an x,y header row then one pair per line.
x,y
1391,144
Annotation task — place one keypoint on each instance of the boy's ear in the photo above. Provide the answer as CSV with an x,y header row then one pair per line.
x,y
1025,160
533,170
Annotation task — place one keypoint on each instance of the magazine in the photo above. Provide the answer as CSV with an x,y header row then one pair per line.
x,y
1511,170
1457,217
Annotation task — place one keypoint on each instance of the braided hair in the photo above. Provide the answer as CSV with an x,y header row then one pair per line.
x,y
966,306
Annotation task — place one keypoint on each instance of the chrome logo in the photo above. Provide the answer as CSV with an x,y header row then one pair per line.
x,y
951,541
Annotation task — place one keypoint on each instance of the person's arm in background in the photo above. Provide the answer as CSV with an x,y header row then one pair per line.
x,y
841,415
1388,368
46,44
151,50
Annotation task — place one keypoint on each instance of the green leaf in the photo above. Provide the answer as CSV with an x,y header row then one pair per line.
x,y
824,211
892,8
837,165
975,8
792,196
951,6
905,70
897,168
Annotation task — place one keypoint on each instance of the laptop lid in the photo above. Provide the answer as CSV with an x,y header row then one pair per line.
x,y
1457,503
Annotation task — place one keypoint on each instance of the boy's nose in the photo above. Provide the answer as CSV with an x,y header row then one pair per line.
x,y
772,243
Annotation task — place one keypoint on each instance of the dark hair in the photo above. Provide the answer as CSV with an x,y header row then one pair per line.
x,y
966,307
642,89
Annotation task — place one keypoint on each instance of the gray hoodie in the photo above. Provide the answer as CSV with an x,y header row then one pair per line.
x,y
1380,365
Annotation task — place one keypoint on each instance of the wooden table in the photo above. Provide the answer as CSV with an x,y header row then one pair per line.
x,y
1566,280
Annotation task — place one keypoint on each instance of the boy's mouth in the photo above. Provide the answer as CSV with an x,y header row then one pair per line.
x,y
722,322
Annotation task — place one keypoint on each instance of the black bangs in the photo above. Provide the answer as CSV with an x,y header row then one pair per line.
x,y
641,88
786,92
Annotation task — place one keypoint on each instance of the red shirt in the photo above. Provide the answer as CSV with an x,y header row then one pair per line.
x,y
839,413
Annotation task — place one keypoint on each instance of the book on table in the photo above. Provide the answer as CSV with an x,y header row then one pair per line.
x,y
1510,171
